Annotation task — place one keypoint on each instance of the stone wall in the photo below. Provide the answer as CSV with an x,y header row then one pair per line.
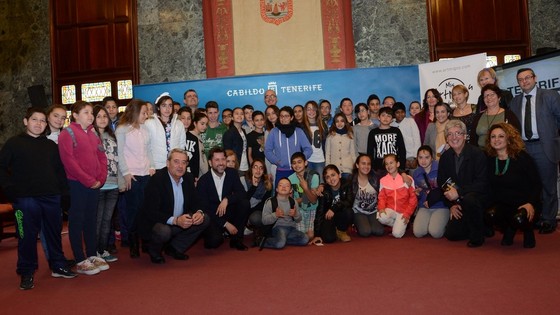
x,y
171,45
24,59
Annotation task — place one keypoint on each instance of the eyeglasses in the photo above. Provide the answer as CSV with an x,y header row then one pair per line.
x,y
490,95
270,96
285,116
258,167
455,134
529,77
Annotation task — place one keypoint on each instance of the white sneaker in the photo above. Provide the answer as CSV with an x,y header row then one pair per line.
x,y
107,256
247,231
87,268
99,263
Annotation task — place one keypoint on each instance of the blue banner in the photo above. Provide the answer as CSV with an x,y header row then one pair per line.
x,y
296,87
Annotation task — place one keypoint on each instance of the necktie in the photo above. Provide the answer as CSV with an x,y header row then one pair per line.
x,y
527,122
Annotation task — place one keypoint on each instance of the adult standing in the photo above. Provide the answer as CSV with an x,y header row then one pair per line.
x,y
539,113
492,115
427,115
270,98
488,76
462,175
190,99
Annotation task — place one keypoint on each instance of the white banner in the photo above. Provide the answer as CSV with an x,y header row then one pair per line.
x,y
444,75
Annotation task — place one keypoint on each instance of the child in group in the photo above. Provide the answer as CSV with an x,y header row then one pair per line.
x,y
185,116
334,212
304,183
255,139
248,124
385,140
318,130
85,163
340,147
284,217
109,193
258,186
198,164
231,160
56,117
397,200
361,127
432,215
32,177
410,132
213,136
135,163
110,105
365,189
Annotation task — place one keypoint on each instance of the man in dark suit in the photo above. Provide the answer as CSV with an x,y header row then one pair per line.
x,y
463,177
171,218
224,200
538,111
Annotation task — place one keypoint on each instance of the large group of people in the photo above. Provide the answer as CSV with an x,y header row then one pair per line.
x,y
169,175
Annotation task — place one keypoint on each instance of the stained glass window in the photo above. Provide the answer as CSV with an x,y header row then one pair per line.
x,y
511,58
124,88
95,92
491,61
68,94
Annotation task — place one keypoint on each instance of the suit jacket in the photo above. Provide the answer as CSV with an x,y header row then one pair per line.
x,y
232,190
472,176
547,108
159,200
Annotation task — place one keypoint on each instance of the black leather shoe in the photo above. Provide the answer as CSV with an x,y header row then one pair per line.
x,y
238,244
171,251
547,228
157,259
472,244
509,234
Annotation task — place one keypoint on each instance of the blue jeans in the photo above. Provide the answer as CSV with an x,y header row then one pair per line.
x,y
134,199
34,214
82,220
317,167
105,208
286,235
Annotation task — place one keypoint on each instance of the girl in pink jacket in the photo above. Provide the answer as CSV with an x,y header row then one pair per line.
x,y
397,201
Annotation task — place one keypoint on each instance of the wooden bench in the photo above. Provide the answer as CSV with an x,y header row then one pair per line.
x,y
7,219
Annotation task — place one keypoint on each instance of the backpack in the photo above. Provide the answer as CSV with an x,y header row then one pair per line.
x,y
274,202
75,143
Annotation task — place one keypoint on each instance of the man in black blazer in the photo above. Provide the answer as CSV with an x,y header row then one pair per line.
x,y
462,175
171,218
540,133
224,200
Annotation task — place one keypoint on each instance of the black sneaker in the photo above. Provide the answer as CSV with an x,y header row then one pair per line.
x,y
26,282
63,272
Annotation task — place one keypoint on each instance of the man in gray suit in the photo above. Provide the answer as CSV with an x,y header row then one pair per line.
x,y
538,111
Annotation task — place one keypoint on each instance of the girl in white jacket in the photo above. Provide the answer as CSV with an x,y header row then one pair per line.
x,y
166,131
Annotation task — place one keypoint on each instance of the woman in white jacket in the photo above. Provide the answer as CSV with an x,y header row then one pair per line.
x,y
166,131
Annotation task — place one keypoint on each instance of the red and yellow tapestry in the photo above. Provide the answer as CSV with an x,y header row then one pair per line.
x,y
266,36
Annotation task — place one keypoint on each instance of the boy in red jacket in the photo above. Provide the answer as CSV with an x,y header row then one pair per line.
x,y
397,200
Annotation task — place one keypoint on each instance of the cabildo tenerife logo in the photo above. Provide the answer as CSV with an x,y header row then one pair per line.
x,y
295,88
